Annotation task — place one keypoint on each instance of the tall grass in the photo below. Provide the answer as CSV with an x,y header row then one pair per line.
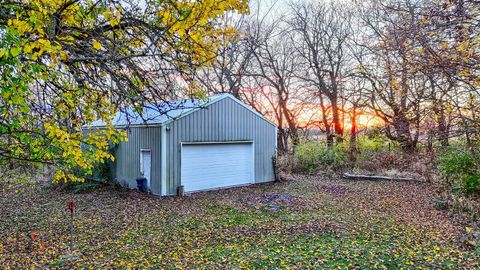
x,y
461,169
311,156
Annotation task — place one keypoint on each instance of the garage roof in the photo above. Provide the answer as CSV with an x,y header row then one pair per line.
x,y
160,114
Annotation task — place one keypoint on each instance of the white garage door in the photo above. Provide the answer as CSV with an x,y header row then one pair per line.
x,y
210,166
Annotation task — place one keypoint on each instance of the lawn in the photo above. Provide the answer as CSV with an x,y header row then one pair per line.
x,y
305,223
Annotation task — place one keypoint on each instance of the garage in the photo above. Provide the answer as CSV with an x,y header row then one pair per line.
x,y
193,145
207,166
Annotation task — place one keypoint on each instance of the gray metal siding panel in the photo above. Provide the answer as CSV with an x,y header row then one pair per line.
x,y
224,120
127,156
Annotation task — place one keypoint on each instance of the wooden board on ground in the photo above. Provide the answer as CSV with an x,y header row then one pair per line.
x,y
378,177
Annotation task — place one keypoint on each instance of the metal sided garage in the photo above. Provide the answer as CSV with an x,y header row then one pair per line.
x,y
217,143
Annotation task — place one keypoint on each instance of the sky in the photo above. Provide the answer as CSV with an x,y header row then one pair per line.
x,y
274,8
269,8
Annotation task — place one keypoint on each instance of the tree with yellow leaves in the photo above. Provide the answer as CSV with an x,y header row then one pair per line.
x,y
66,63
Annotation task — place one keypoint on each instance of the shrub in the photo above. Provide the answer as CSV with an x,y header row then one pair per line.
x,y
374,132
370,143
102,171
285,164
461,169
80,187
311,156
375,152
375,144
380,161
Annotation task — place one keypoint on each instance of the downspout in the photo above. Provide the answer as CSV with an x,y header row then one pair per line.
x,y
275,156
163,160
276,139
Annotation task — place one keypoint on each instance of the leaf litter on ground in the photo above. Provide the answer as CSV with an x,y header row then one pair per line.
x,y
307,223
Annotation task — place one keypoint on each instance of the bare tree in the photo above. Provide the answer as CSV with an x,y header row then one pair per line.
x,y
322,66
397,90
356,97
321,33
274,65
449,57
226,73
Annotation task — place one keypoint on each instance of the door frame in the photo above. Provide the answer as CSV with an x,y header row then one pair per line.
x,y
142,151
250,142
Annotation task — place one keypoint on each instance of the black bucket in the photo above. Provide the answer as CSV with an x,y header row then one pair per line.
x,y
141,184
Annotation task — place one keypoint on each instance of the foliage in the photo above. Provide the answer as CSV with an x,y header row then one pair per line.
x,y
101,171
322,224
461,169
286,164
64,64
81,187
310,156
372,142
373,152
374,133
13,178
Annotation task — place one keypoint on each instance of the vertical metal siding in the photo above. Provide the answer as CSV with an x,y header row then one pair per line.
x,y
127,154
224,120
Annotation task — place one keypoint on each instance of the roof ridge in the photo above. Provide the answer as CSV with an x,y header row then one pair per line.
x,y
152,116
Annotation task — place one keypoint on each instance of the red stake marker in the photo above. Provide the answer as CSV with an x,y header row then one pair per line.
x,y
71,207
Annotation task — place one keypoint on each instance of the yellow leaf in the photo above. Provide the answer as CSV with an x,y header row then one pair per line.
x,y
181,32
15,51
97,45
64,56
203,21
28,48
114,21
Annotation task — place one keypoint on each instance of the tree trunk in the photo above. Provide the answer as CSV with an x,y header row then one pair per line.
x,y
403,133
282,141
439,111
353,135
336,120
328,131
282,144
292,127
443,130
430,140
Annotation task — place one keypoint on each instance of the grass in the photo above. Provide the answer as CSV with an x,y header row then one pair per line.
x,y
307,223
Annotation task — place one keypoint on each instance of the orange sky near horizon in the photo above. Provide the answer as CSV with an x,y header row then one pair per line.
x,y
364,119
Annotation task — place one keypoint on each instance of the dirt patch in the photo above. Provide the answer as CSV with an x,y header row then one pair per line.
x,y
277,198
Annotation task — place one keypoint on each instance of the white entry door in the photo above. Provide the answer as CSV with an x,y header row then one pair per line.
x,y
216,165
146,165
